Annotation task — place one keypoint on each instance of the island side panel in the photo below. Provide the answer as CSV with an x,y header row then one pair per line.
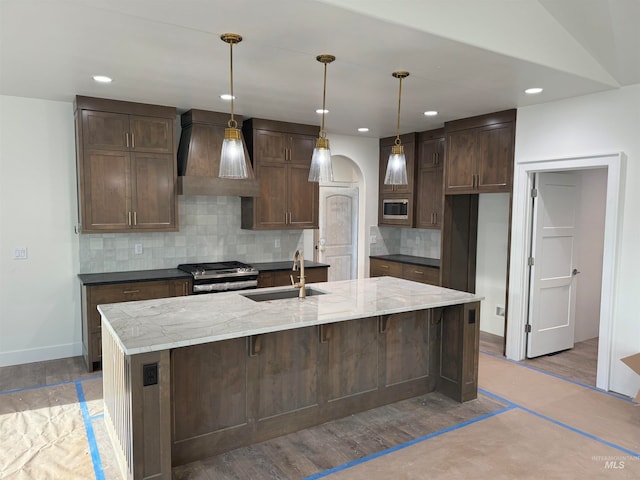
x,y
137,410
459,349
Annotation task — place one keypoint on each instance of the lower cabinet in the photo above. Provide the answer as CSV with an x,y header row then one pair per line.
x,y
237,392
94,295
281,278
408,271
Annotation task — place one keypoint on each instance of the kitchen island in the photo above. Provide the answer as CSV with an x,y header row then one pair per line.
x,y
190,377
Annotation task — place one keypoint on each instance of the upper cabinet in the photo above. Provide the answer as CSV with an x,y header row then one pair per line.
x,y
479,154
126,166
281,155
396,203
429,198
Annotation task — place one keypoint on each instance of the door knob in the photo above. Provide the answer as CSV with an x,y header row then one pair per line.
x,y
575,272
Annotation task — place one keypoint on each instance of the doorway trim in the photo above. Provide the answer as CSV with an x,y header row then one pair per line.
x,y
520,243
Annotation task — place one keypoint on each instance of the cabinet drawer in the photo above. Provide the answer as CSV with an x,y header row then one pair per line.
x,y
381,268
421,274
314,275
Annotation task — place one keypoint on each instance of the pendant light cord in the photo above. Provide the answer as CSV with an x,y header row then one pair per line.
x,y
324,96
397,141
232,122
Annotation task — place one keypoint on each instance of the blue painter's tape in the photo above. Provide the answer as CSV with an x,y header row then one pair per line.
x,y
99,416
91,438
66,382
407,444
584,385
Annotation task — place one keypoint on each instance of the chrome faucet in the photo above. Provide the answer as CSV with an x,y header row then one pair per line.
x,y
298,262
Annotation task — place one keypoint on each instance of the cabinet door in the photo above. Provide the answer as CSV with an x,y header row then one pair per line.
x,y
106,200
151,134
104,131
271,207
153,191
429,198
495,162
270,147
407,347
460,161
301,150
303,197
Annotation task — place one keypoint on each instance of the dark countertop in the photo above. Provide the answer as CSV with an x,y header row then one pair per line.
x,y
133,276
410,259
284,265
174,273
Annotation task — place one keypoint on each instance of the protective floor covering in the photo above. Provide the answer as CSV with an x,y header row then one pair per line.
x,y
549,428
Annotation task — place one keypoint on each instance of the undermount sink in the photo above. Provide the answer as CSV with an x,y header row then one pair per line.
x,y
281,294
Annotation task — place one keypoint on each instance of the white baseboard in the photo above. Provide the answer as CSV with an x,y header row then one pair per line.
x,y
52,352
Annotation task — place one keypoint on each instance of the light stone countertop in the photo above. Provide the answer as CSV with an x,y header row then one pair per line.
x,y
155,325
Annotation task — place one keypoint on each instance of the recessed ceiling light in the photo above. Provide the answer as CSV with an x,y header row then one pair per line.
x,y
322,111
431,113
102,79
226,96
533,91
363,129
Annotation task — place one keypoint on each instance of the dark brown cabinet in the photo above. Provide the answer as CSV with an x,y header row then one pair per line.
x,y
397,192
279,278
94,295
417,273
126,166
429,197
479,154
281,155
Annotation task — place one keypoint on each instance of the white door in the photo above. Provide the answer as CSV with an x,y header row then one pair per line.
x,y
337,243
553,283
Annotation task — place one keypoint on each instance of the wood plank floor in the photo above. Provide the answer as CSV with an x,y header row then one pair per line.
x,y
578,364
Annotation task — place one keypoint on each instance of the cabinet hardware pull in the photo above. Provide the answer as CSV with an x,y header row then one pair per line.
x,y
133,140
435,218
324,333
384,266
135,218
419,272
383,323
126,138
129,219
131,291
254,345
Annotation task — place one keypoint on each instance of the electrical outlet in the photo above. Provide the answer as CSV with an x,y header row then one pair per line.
x,y
373,239
277,243
500,311
149,374
20,253
137,249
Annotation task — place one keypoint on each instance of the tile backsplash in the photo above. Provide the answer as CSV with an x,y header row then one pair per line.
x,y
209,231
406,241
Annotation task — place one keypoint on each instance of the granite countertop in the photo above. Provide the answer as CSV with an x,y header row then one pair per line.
x,y
156,325
174,273
410,259
284,265
132,276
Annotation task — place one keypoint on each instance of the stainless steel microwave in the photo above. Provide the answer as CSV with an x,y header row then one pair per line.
x,y
395,209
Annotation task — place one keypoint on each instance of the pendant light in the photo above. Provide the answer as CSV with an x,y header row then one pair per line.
x,y
397,165
321,170
233,163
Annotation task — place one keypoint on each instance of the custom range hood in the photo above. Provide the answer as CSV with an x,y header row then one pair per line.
x,y
199,157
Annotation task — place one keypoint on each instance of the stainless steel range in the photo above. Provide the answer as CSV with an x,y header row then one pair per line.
x,y
221,276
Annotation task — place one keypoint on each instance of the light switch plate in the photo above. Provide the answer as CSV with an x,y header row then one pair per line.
x,y
137,248
20,253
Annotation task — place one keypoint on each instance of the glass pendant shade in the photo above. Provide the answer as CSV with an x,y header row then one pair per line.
x,y
232,160
396,167
321,169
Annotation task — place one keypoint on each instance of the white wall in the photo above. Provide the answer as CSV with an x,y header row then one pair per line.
x,y
603,123
491,261
40,296
588,259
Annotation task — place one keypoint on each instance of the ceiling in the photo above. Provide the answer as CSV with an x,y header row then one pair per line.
x,y
465,57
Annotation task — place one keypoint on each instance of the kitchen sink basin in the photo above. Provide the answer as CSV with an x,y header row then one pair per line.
x,y
281,294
